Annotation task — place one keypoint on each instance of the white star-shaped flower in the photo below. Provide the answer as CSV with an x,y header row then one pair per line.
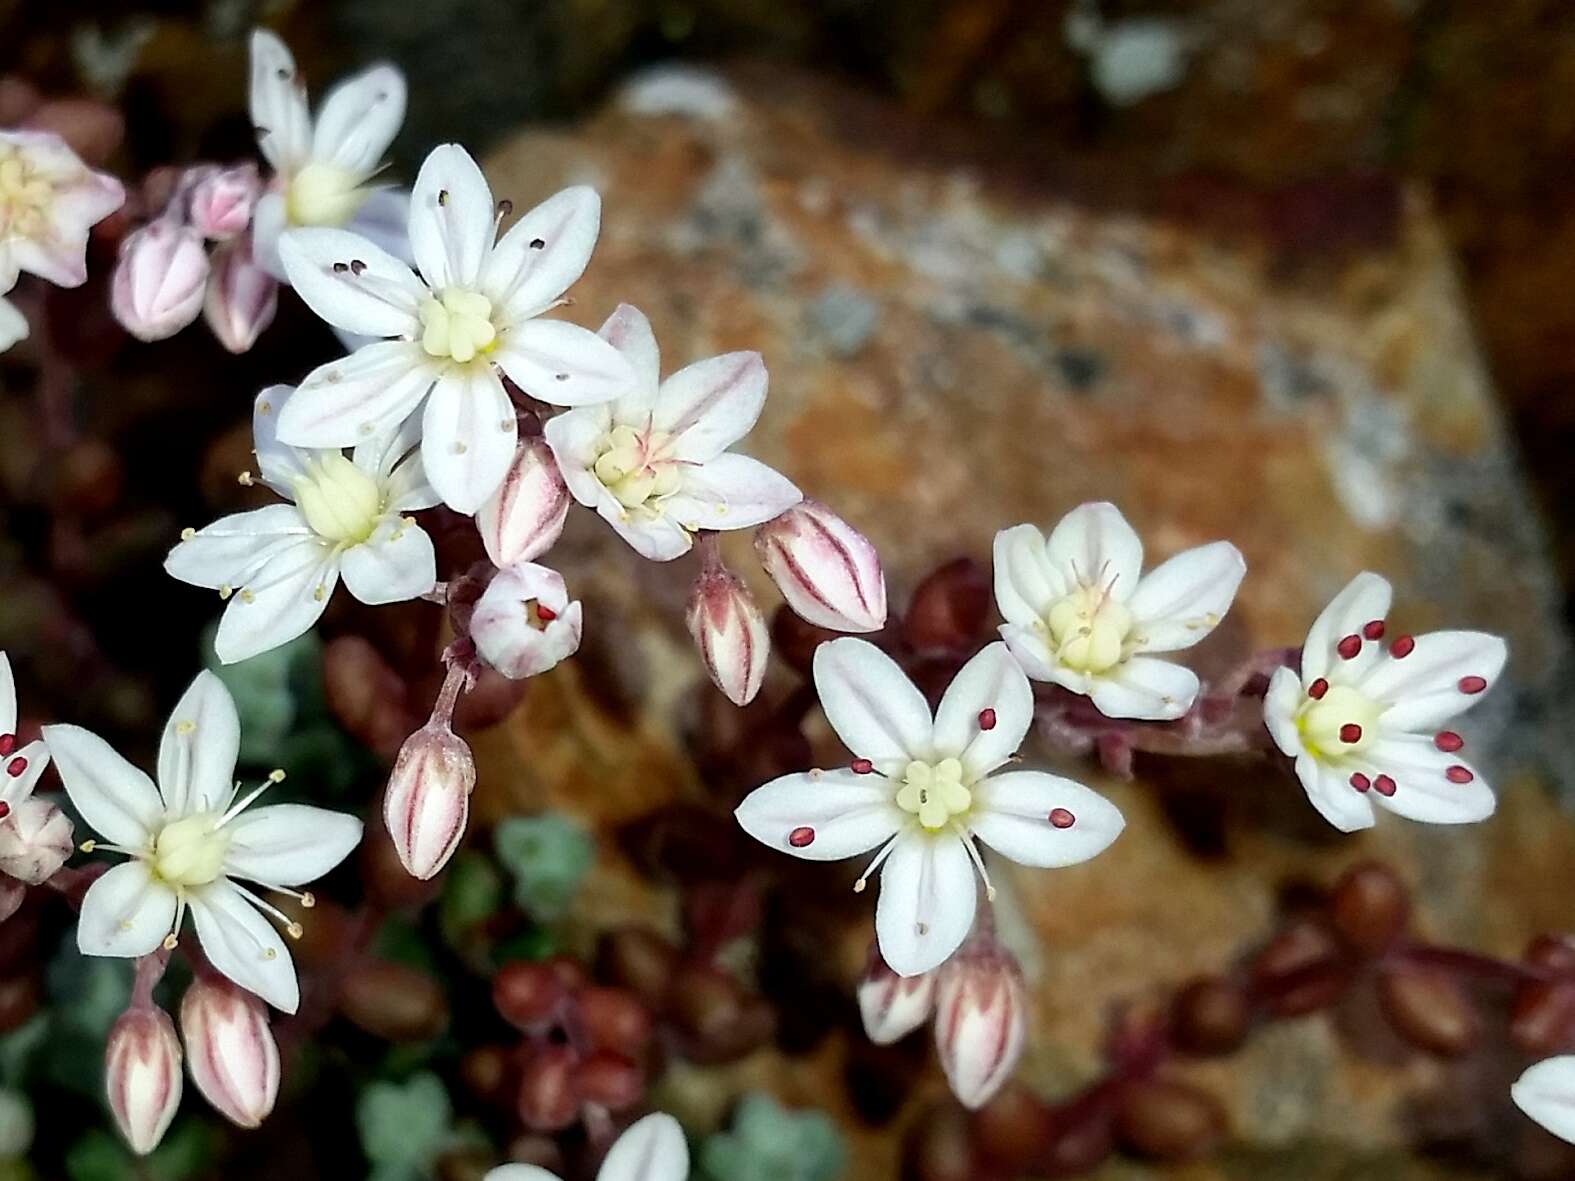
x,y
20,765
192,840
1078,613
924,788
654,464
278,565
1364,725
323,170
1546,1092
651,1149
471,313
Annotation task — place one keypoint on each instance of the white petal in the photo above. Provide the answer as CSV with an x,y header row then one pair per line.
x,y
563,364
1013,815
13,324
845,814
1330,791
395,564
288,844
575,438
270,219
125,913
542,254
1546,1092
1364,600
384,219
451,214
1031,651
359,119
871,704
658,538
278,103
243,945
731,492
408,489
628,331
118,801
1146,688
710,405
1423,687
1423,790
279,603
1093,545
351,282
197,754
378,455
468,434
520,1173
651,1149
927,901
1280,704
1026,583
369,393
32,759
991,680
279,464
232,549
7,696
1183,599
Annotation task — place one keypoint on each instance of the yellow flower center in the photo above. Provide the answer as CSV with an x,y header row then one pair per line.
x,y
340,502
323,195
1089,629
190,851
459,325
1341,722
631,467
934,792
25,194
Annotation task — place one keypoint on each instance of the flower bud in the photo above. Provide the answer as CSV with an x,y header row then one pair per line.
x,y
241,298
609,1079
222,201
524,623
948,609
35,840
394,1002
980,1021
1543,1018
730,632
1429,1009
427,801
827,570
1370,907
893,1006
524,517
142,1076
233,1057
548,1101
1211,1015
1170,1121
528,995
1300,971
160,278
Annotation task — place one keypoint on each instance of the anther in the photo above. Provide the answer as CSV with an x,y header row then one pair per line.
x,y
1472,684
1349,647
1402,647
356,267
16,766
295,930
1448,741
987,719
802,838
276,775
1061,818
245,480
537,243
442,196
5,809
170,942
87,846
187,533
1317,689
1350,732
308,900
1374,630
862,766
1384,785
1458,774
1360,782
546,612
341,267
505,207
7,744
185,726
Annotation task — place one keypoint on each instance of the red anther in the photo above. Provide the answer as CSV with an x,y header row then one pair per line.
x,y
1472,684
1349,647
1360,782
1384,785
1448,741
7,744
987,719
862,766
1317,689
5,809
16,766
1402,646
1458,774
802,838
545,612
1374,630
1061,818
1350,732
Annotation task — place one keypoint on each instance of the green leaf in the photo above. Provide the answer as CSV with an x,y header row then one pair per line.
x,y
98,1156
472,893
404,1124
770,1143
548,856
264,688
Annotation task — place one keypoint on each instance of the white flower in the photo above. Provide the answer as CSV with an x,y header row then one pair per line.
x,y
1546,1092
1078,614
1363,724
278,565
524,622
651,1149
926,788
20,766
471,313
655,464
191,842
49,200
322,171
13,324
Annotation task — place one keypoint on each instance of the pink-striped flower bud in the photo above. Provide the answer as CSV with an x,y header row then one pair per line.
x,y
230,1049
827,570
142,1075
730,632
35,840
160,278
524,622
524,517
427,802
981,1020
241,298
222,201
893,1006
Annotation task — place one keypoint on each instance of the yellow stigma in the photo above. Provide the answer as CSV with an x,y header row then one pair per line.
x,y
459,325
1089,630
1342,722
323,195
190,852
934,792
25,194
340,502
630,469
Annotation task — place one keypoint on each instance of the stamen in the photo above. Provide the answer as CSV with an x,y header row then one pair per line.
x,y
1061,818
1350,647
987,719
16,766
1402,647
1384,785
1374,630
1472,684
1459,774
1448,741
291,928
862,766
1360,782
978,861
864,878
7,744
1350,732
1317,689
801,837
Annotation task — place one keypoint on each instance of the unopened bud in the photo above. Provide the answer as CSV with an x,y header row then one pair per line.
x,y
730,633
222,201
1543,1018
1300,971
395,1002
548,1101
528,995
142,1076
1429,1009
35,840
524,623
1170,1121
233,1057
1370,907
609,1079
981,1021
160,278
1211,1015
241,298
524,517
614,1019
893,1006
827,570
428,799
948,609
